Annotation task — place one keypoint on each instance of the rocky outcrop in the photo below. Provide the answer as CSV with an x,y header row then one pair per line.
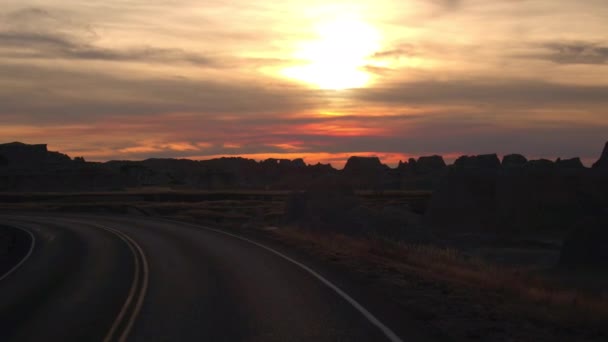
x,y
296,163
540,164
343,212
480,193
464,199
364,165
424,165
366,173
19,155
421,174
484,161
572,163
283,163
429,164
322,168
537,195
585,246
602,163
408,166
514,161
33,167
224,173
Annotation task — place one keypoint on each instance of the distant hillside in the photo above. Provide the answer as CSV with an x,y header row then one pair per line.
x,y
26,167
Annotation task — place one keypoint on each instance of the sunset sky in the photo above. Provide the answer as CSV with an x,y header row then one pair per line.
x,y
134,79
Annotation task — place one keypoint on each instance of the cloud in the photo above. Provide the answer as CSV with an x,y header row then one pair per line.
x,y
446,133
37,33
34,20
402,50
138,79
58,95
47,46
487,92
574,53
449,4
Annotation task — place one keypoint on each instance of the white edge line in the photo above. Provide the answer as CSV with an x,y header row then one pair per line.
x,y
24,259
144,287
368,315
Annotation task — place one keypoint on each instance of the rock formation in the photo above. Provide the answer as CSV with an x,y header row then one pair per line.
x,y
465,196
484,161
602,163
585,246
430,164
572,163
283,163
535,195
341,211
364,165
514,160
19,155
33,167
366,173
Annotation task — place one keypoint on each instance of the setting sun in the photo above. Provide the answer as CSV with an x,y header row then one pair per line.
x,y
304,170
337,58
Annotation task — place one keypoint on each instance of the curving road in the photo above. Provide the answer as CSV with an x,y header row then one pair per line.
x,y
117,278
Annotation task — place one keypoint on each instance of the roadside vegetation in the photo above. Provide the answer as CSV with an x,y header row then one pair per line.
x,y
444,286
509,289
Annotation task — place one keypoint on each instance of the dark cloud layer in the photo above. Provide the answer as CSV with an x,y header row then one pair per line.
x,y
37,33
429,133
36,45
488,92
575,53
70,96
79,93
449,4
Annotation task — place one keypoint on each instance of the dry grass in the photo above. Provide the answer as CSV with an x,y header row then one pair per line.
x,y
517,291
514,289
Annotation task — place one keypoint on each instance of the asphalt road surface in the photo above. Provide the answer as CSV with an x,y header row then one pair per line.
x,y
120,278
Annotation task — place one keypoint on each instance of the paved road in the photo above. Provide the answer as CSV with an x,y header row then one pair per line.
x,y
93,278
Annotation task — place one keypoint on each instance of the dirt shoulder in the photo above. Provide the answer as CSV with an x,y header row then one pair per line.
x,y
461,299
454,295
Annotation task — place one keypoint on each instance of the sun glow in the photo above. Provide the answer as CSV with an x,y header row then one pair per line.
x,y
337,59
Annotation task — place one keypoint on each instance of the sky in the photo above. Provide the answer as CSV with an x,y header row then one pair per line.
x,y
322,80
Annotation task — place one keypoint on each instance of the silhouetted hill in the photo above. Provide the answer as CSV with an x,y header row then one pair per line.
x,y
22,156
602,163
484,161
364,165
514,160
478,193
33,168
220,173
572,163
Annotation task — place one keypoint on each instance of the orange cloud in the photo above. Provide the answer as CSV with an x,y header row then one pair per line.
x,y
288,146
338,130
